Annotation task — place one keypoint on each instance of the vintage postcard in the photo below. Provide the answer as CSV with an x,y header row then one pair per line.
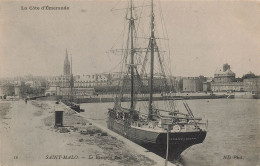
x,y
129,83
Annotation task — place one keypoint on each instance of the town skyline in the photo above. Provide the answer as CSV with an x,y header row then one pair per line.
x,y
203,36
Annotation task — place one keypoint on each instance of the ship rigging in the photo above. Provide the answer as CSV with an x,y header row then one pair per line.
x,y
148,127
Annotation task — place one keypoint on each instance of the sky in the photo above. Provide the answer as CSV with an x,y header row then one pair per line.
x,y
203,35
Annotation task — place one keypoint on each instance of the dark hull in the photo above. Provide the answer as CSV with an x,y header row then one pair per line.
x,y
157,141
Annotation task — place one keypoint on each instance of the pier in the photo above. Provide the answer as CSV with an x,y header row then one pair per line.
x,y
29,136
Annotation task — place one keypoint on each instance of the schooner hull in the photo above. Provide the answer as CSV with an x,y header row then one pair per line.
x,y
157,141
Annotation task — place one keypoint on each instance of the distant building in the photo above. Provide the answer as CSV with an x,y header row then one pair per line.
x,y
224,76
79,81
78,86
192,84
1,93
67,92
224,80
251,84
232,86
63,81
87,81
53,91
17,91
77,92
32,83
206,86
113,79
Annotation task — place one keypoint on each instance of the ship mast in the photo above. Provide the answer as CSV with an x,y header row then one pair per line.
x,y
71,82
152,42
131,22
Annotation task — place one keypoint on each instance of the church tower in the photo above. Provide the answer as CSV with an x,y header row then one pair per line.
x,y
66,68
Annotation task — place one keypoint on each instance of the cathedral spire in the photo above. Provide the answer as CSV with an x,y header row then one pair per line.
x,y
66,68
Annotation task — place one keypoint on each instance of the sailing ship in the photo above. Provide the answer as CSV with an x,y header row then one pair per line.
x,y
152,128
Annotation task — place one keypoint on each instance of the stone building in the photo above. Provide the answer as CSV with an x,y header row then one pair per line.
x,y
229,86
225,75
192,84
225,80
206,86
88,81
251,84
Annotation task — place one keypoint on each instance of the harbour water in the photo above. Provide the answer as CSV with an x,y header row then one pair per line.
x,y
233,131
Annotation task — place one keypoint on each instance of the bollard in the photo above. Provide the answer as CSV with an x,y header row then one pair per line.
x,y
59,118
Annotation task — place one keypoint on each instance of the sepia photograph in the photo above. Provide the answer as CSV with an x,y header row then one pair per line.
x,y
129,83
